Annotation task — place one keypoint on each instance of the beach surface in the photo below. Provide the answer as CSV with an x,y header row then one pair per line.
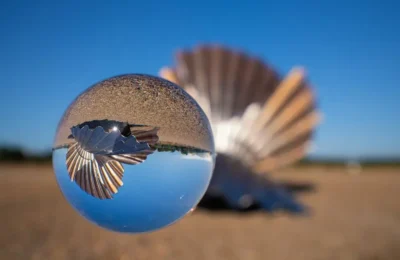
x,y
352,216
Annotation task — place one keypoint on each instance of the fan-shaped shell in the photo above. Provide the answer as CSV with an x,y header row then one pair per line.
x,y
94,160
257,117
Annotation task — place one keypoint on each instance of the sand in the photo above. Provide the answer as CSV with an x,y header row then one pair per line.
x,y
352,217
143,100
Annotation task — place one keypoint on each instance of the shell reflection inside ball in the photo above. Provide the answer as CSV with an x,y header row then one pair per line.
x,y
133,153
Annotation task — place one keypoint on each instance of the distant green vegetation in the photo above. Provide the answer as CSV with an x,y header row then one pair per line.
x,y
337,162
14,154
174,148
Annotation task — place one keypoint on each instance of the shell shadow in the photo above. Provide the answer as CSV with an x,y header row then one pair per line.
x,y
235,188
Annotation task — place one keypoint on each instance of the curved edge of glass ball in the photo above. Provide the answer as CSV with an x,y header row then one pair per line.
x,y
110,129
146,100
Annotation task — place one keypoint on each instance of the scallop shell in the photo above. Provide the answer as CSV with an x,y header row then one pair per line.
x,y
259,119
94,160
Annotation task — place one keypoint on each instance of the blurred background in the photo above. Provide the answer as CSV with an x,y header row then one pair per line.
x,y
52,51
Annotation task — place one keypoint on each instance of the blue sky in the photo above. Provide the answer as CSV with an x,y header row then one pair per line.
x,y
51,51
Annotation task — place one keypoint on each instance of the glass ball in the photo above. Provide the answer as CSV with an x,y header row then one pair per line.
x,y
133,153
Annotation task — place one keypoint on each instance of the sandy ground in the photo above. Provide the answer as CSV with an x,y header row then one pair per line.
x,y
353,217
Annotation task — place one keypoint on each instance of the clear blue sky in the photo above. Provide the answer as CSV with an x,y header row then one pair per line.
x,y
51,51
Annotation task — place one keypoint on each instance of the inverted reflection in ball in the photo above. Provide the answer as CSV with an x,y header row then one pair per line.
x,y
133,153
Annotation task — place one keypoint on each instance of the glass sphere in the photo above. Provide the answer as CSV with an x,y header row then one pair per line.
x,y
133,153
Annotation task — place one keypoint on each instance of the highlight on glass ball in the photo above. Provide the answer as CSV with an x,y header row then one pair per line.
x,y
133,153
